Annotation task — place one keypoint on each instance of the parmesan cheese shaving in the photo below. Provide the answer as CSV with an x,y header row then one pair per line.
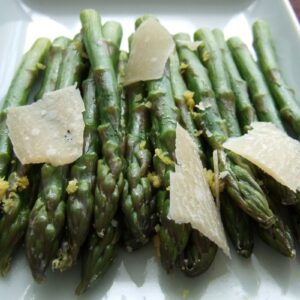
x,y
50,130
191,200
272,150
151,47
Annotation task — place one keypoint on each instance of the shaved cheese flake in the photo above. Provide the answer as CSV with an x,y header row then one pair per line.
x,y
50,130
191,200
151,47
272,150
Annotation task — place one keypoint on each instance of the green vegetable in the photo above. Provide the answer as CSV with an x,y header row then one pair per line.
x,y
18,94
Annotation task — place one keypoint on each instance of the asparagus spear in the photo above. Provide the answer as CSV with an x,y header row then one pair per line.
x,y
245,111
47,217
173,237
18,94
113,32
98,255
137,191
22,182
240,184
278,235
200,251
54,60
80,203
123,58
263,102
283,95
198,255
110,179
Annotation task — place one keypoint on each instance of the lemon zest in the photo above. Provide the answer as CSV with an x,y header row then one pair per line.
x,y
72,186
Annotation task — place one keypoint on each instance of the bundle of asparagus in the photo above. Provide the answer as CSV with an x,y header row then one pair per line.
x,y
118,191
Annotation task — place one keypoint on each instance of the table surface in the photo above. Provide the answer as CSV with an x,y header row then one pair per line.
x,y
296,6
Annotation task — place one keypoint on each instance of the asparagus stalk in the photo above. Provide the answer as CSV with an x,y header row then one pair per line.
x,y
200,251
47,217
239,182
283,95
123,58
261,97
110,178
54,60
279,236
173,237
22,182
137,191
113,32
245,111
18,94
80,203
98,255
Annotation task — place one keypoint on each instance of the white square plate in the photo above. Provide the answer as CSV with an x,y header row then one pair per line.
x,y
267,275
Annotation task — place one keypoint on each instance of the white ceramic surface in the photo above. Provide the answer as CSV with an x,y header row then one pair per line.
x,y
267,275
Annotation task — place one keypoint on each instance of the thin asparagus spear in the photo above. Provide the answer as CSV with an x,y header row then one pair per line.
x,y
261,97
47,217
18,94
110,179
98,255
245,111
239,182
54,60
113,32
200,251
123,58
80,203
198,255
137,191
283,95
22,183
173,237
279,236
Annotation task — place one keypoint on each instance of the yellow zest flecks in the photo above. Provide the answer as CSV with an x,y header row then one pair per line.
x,y
22,183
8,203
72,186
154,180
41,66
183,67
156,243
197,133
142,145
168,188
4,185
210,177
165,159
189,100
205,56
